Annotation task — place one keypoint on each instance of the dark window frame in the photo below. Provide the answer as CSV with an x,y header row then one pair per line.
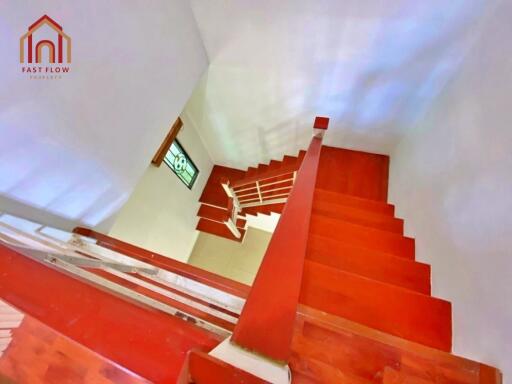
x,y
189,161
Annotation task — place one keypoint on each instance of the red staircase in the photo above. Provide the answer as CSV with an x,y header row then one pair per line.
x,y
260,190
339,296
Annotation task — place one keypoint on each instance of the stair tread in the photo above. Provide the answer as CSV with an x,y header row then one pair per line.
x,y
359,216
204,368
218,229
392,376
364,236
311,370
344,199
393,309
369,263
366,352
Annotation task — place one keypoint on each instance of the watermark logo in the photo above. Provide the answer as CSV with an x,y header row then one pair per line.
x,y
45,50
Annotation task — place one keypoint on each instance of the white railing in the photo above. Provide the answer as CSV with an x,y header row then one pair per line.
x,y
269,188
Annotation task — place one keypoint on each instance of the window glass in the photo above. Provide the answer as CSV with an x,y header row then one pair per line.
x,y
181,164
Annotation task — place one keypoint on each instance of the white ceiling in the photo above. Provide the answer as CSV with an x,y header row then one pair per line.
x,y
372,66
73,149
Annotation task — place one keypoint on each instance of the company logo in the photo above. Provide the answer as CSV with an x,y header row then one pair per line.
x,y
45,43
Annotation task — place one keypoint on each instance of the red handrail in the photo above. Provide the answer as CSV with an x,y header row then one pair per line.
x,y
183,269
267,319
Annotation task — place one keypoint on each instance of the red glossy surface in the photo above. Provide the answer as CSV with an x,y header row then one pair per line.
x,y
213,192
213,213
39,355
330,349
145,341
266,321
362,236
205,369
386,307
354,173
321,122
376,265
344,200
218,229
266,173
214,200
359,216
360,266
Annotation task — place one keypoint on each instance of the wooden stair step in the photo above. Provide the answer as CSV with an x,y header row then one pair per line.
x,y
362,351
217,214
288,161
392,376
205,369
251,171
213,213
300,156
366,237
218,229
353,201
262,168
264,209
310,370
358,216
274,164
401,312
375,265
338,352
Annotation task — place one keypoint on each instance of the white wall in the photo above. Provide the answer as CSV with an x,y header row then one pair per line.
x,y
372,66
231,259
160,215
451,179
72,150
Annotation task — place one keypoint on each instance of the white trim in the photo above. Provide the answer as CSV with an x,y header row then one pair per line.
x,y
265,202
256,365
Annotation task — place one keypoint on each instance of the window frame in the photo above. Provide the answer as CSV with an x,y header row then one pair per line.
x,y
189,161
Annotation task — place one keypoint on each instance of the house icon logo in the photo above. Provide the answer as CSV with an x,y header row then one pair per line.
x,y
45,45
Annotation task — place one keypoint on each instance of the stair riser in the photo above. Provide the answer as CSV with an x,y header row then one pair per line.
x,y
338,352
354,202
394,310
359,216
363,236
218,229
378,266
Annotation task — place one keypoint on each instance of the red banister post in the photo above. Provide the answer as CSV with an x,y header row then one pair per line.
x,y
267,320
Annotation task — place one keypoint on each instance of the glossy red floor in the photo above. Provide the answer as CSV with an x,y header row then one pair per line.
x,y
36,354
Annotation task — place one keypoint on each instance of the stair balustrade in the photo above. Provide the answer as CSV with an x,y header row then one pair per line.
x,y
261,328
175,291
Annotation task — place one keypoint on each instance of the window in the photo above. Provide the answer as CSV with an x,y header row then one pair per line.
x,y
177,159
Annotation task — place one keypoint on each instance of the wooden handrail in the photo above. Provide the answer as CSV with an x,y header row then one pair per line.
x,y
166,144
189,271
267,320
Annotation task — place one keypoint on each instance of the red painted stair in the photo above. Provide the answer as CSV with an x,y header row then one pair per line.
x,y
368,263
213,210
363,236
